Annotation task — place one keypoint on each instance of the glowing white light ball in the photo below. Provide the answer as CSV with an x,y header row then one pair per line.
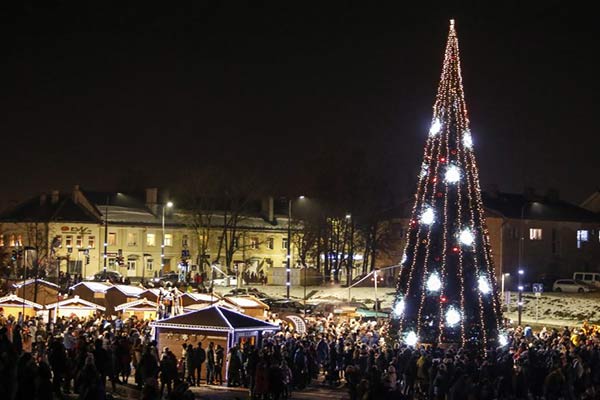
x,y
399,308
467,139
452,317
434,283
484,285
502,340
435,127
424,170
452,174
466,237
411,338
404,258
428,216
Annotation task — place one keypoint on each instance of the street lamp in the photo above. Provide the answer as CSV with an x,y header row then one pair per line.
x,y
520,301
504,275
162,246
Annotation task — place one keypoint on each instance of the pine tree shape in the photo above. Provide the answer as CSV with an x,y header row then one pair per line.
x,y
447,290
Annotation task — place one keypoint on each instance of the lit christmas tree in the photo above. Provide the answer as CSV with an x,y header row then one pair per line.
x,y
447,291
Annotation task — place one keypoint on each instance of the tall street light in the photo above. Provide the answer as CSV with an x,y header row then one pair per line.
x,y
520,301
504,275
162,247
288,271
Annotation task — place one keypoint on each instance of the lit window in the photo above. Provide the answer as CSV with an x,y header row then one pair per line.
x,y
69,241
535,233
112,239
270,243
19,240
11,242
150,239
254,243
91,242
79,241
582,236
184,241
149,263
131,265
1,240
132,239
284,243
168,239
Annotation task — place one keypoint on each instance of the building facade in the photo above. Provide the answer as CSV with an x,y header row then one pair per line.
x,y
66,232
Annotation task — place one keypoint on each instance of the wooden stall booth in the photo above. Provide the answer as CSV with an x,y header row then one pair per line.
x,y
217,324
249,305
74,306
15,305
37,290
142,309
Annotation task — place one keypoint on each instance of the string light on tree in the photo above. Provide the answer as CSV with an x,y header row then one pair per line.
x,y
452,174
447,282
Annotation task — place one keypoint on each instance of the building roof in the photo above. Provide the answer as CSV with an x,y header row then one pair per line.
x,y
75,301
215,318
513,205
203,297
138,304
96,287
42,209
128,290
246,302
16,300
18,285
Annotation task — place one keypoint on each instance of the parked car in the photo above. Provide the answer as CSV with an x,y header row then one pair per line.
x,y
169,277
226,281
103,276
288,306
247,292
591,278
571,285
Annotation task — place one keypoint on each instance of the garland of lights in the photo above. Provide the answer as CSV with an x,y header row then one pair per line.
x,y
448,273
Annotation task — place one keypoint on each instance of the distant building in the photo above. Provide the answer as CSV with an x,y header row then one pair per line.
x,y
558,238
66,231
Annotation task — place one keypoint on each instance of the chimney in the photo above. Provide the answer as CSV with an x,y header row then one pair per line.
x,y
54,197
152,199
266,208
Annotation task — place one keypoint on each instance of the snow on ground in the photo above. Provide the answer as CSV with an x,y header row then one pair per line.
x,y
555,309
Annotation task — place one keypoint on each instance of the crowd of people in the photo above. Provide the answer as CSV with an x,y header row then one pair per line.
x,y
92,356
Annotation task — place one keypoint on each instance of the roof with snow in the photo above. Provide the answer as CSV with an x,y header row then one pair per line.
x,y
128,290
28,282
203,297
215,318
97,287
76,302
141,304
18,301
246,302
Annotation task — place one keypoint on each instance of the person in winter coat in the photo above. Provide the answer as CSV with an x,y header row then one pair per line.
x,y
219,359
235,365
89,384
210,364
199,358
261,381
168,370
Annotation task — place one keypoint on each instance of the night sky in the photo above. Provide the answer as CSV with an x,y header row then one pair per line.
x,y
104,94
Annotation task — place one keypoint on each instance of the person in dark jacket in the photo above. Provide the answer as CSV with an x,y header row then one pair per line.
x,y
199,358
89,382
168,370
219,360
210,364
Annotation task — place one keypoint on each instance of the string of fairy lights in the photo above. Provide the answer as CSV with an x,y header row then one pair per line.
x,y
447,290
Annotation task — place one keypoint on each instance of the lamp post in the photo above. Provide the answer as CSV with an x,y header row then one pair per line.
x,y
504,275
520,301
288,271
162,246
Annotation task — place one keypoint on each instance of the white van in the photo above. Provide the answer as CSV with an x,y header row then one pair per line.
x,y
591,278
